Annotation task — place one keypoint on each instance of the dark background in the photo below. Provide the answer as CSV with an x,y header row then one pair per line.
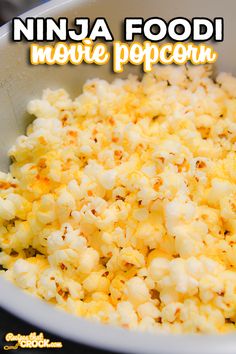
x,y
11,8
9,323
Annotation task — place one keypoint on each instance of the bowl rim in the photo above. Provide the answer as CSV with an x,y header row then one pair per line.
x,y
108,337
88,332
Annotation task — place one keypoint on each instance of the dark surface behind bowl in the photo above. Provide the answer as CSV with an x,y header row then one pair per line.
x,y
10,323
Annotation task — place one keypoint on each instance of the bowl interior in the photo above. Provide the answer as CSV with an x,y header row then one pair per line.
x,y
20,81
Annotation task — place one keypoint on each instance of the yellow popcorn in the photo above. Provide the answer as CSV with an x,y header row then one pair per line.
x,y
25,274
95,282
159,267
128,317
88,260
7,209
148,309
120,205
171,311
136,291
129,256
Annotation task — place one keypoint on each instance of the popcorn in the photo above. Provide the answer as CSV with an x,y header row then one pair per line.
x,y
22,236
171,311
128,317
7,209
95,282
66,238
47,283
65,204
107,179
25,274
140,214
46,213
130,256
136,291
42,108
88,260
120,204
148,309
66,199
158,268
228,83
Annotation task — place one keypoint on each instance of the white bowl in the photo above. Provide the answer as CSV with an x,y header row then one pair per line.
x,y
20,82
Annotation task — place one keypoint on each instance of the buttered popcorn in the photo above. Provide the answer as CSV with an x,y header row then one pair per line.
x,y
120,205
